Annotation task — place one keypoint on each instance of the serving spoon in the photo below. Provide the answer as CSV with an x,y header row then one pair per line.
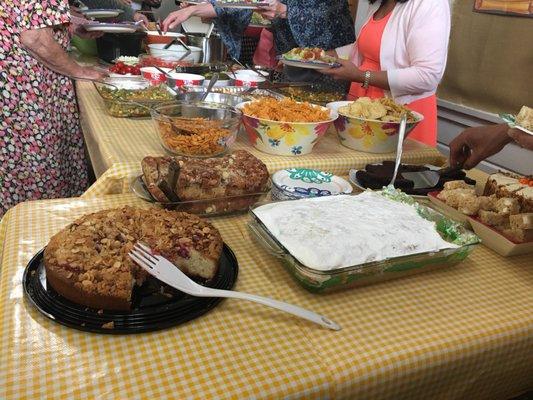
x,y
212,82
399,148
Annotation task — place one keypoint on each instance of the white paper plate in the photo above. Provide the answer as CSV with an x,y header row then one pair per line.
x,y
111,28
305,182
308,64
510,120
102,13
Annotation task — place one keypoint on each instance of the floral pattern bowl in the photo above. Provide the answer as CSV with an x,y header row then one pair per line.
x,y
285,138
367,135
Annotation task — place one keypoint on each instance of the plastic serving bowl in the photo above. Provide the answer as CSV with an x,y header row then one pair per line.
x,y
153,75
368,135
247,78
178,79
285,138
176,51
227,118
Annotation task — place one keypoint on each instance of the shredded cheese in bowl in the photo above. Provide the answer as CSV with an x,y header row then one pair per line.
x,y
285,110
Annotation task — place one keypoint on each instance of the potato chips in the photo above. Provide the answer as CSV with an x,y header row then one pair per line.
x,y
382,109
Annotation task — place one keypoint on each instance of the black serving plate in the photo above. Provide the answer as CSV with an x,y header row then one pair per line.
x,y
155,305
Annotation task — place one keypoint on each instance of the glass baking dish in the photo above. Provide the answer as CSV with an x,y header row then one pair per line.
x,y
132,107
206,207
319,281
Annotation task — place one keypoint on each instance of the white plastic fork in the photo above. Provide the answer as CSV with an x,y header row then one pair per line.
x,y
167,272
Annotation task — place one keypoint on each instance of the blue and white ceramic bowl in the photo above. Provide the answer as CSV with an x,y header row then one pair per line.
x,y
301,183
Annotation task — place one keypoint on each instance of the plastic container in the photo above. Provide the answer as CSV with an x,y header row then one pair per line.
x,y
178,79
247,78
154,76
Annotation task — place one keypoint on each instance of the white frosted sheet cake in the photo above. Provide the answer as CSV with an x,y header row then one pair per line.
x,y
334,232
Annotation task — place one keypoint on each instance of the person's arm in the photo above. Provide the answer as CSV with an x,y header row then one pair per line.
x,y
40,43
275,9
473,145
316,23
521,138
427,49
349,72
206,10
230,23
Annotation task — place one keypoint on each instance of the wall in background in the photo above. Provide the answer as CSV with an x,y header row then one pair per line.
x,y
489,71
490,61
490,65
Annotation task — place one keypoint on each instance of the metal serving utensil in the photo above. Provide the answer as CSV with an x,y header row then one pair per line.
x,y
173,41
423,179
162,71
259,73
399,148
212,82
167,272
158,27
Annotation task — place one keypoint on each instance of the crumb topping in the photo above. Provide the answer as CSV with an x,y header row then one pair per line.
x,y
92,252
239,172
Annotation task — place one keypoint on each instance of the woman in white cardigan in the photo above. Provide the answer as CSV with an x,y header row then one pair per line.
x,y
401,53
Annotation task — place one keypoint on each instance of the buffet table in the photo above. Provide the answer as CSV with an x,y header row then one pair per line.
x,y
117,145
463,332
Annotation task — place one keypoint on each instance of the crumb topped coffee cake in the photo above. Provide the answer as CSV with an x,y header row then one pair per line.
x,y
88,263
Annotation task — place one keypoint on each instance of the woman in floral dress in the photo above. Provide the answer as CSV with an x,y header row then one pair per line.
x,y
41,144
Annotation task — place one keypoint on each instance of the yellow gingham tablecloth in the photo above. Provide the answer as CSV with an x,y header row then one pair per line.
x,y
118,145
459,333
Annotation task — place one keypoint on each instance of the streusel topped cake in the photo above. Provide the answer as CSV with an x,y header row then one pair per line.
x,y
88,263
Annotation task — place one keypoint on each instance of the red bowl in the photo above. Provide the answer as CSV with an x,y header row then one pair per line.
x,y
248,79
153,75
153,37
